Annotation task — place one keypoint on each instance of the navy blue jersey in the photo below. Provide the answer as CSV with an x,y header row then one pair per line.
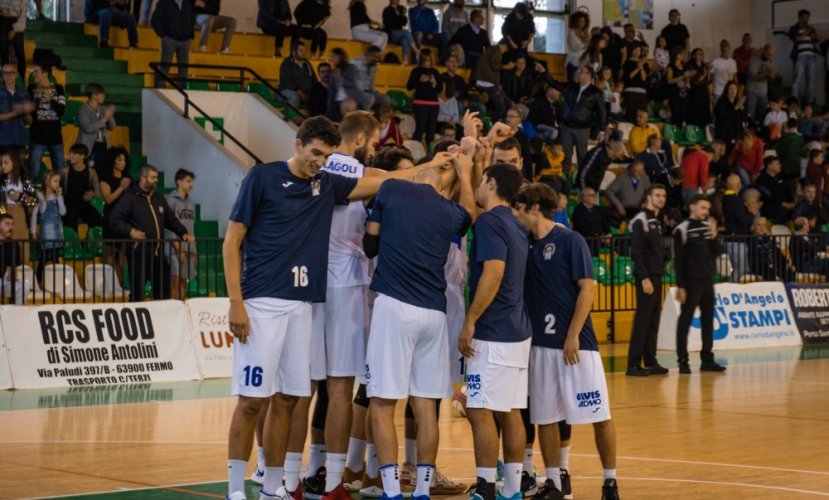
x,y
288,221
556,264
497,235
417,227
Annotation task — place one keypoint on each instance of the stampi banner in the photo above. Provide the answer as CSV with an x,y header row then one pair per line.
x,y
211,336
750,315
98,344
810,305
5,375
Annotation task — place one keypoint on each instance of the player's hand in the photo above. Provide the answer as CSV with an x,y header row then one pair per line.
x,y
465,339
484,152
237,317
471,124
647,286
463,165
189,238
681,295
571,350
137,234
500,132
469,146
443,159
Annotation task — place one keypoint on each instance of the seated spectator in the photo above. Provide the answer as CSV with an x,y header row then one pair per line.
x,y
15,188
808,251
545,113
394,24
487,77
729,115
426,30
515,119
778,201
296,76
718,166
658,162
764,255
812,127
448,107
554,154
114,13
635,75
810,208
208,20
389,131
673,188
80,185
775,119
596,162
319,91
363,28
15,110
695,164
459,86
48,211
627,191
45,131
791,149
365,68
392,158
453,18
518,83
310,16
560,215
518,29
94,120
747,157
424,80
473,38
817,171
274,19
642,131
589,221
343,92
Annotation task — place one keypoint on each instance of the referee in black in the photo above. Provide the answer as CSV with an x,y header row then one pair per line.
x,y
696,248
648,266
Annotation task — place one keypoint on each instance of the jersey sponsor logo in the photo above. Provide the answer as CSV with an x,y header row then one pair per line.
x,y
549,251
588,399
341,168
473,385
287,184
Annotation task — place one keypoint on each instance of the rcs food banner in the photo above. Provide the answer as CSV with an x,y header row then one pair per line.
x,y
750,315
5,375
98,344
211,336
810,305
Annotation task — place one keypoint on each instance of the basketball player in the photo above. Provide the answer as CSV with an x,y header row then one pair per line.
x,y
567,378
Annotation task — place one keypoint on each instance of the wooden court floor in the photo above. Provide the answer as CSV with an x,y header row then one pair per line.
x,y
759,431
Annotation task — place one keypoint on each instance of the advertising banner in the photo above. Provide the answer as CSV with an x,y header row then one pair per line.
x,y
211,336
810,305
5,374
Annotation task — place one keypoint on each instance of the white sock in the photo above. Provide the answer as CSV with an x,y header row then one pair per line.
x,y
334,467
316,458
391,480
273,479
512,479
554,473
410,452
372,466
610,473
564,461
236,470
424,479
486,473
356,454
528,461
293,465
260,458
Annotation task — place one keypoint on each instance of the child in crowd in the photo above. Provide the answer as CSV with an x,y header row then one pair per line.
x,y
448,109
555,158
605,84
49,211
775,119
616,101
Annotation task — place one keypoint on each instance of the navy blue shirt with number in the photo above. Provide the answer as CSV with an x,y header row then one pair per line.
x,y
288,223
556,264
417,226
497,235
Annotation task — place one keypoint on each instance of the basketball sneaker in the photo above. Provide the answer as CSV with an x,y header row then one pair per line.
x,y
566,487
373,487
258,476
481,490
352,481
549,492
236,495
314,486
282,494
337,493
529,486
442,485
609,490
517,496
396,497
711,366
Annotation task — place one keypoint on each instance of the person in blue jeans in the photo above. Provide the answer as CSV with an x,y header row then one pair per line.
x,y
45,132
49,212
114,13
425,28
394,24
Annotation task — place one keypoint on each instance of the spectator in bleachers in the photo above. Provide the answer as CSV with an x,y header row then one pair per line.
x,y
319,91
310,16
80,185
45,131
676,34
174,22
208,20
766,260
578,35
810,126
518,29
141,11
817,171
674,188
114,181
12,25
487,77
94,119
426,30
274,19
389,131
453,18
183,257
115,13
808,251
642,130
739,212
791,149
613,52
695,164
761,70
514,118
774,120
778,200
804,53
392,158
589,220
13,194
15,110
592,55
658,162
343,93
548,166
677,83
425,81
747,156
296,76
627,191
473,38
699,98
723,70
363,28
366,72
729,115
596,162
742,55
459,86
518,83
142,215
809,207
635,75
49,210
394,24
629,40
10,254
448,108
718,167
545,113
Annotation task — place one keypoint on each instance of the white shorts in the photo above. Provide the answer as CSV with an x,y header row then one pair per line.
x,y
496,377
276,357
408,352
340,329
576,393
455,313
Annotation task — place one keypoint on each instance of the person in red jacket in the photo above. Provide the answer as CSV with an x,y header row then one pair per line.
x,y
389,130
747,157
695,165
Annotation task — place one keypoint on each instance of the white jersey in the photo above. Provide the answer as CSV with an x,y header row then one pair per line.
x,y
455,269
347,262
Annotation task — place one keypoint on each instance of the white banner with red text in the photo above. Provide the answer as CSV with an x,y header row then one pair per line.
x,y
212,339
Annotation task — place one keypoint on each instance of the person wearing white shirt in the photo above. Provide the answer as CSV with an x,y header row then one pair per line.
x,y
723,69
577,38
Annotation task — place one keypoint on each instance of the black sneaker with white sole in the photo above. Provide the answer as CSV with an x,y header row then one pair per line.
x,y
529,486
314,486
549,492
610,491
566,487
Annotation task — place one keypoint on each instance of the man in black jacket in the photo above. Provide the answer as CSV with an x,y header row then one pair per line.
x,y
115,13
648,266
209,20
696,248
596,162
545,113
142,215
173,21
739,210
473,38
274,19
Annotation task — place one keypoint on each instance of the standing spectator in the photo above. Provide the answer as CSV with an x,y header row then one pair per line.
x,y
515,118
363,28
613,52
142,214
545,113
676,34
319,91
723,70
695,164
589,220
173,21
592,55
448,108
426,30
765,257
453,18
778,201
115,13
747,156
596,162
791,149
761,69
10,258
459,86
678,80
81,185
366,66
804,54
94,119
697,248
629,40
774,120
394,24
12,25
310,16
114,182
578,35
699,98
648,255
518,29
658,162
807,250
15,110
13,194
739,210
45,132
635,74
627,191
473,38
518,84
742,56
208,20
183,257
729,115
274,19
816,173
389,131
487,77
49,210
809,207
296,76
424,80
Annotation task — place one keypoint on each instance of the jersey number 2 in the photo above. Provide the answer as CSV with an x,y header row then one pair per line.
x,y
300,276
551,323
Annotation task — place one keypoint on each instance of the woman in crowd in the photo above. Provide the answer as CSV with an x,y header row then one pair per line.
x,y
518,29
699,98
635,77
115,180
389,131
394,24
362,26
677,79
592,56
13,191
310,15
578,36
425,81
747,157
518,83
729,116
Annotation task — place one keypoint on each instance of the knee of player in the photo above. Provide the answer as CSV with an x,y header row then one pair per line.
x,y
250,406
605,424
284,400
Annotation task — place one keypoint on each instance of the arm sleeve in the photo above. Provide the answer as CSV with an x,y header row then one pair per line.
x,y
379,203
414,79
87,122
171,221
464,220
637,240
248,200
492,243
59,104
119,219
679,258
582,264
343,186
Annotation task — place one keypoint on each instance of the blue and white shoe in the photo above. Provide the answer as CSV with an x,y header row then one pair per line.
x,y
396,497
517,496
236,495
258,476
421,497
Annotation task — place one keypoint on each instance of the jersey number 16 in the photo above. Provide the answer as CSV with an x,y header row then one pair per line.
x,y
300,276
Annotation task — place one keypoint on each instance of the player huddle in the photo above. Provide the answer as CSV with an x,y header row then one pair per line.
x,y
309,315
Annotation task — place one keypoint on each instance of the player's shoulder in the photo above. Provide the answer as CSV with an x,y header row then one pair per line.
x,y
268,169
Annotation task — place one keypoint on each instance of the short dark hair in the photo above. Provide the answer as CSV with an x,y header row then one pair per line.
x,y
673,11
476,14
509,144
6,216
636,161
94,89
655,187
146,169
698,198
803,12
507,179
389,157
768,160
791,123
445,144
540,194
79,149
296,43
45,67
318,127
183,173
323,64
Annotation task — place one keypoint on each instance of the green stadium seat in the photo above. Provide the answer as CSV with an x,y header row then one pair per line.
x,y
198,86
94,240
70,114
98,202
600,271
73,248
229,87
622,269
695,135
265,93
